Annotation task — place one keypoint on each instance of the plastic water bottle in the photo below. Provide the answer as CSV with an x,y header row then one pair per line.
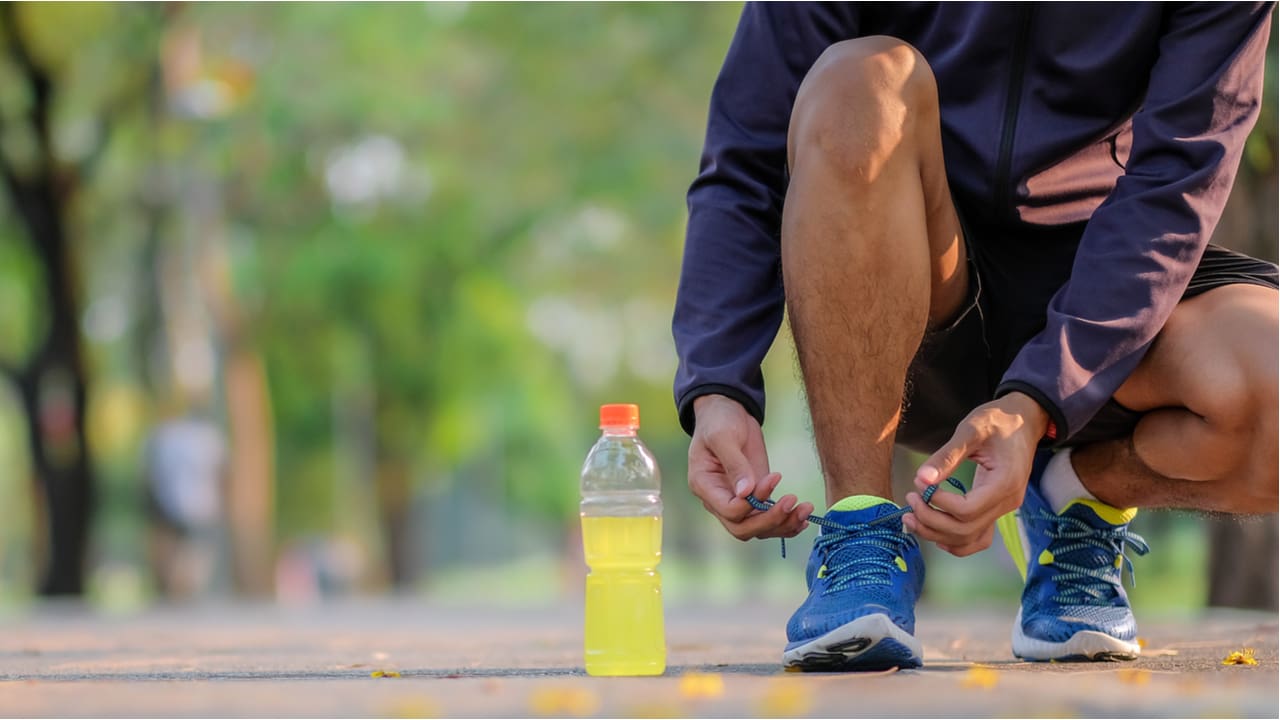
x,y
622,539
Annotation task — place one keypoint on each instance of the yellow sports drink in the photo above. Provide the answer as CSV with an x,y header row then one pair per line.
x,y
622,542
624,630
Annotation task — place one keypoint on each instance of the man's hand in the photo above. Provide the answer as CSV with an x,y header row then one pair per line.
x,y
728,462
1001,437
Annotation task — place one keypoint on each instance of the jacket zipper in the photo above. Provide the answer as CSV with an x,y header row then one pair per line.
x,y
1003,192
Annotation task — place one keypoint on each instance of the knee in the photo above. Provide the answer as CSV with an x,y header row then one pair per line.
x,y
1240,402
860,102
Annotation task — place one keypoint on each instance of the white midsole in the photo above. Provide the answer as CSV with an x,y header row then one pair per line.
x,y
1086,643
870,627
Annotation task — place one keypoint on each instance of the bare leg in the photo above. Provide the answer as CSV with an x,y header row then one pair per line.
x,y
871,249
1208,440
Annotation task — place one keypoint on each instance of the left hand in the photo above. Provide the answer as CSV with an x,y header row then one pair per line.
x,y
1001,437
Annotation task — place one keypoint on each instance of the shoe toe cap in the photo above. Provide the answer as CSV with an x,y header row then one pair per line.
x,y
809,623
1116,622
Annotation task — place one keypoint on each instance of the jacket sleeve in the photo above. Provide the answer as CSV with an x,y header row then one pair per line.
x,y
1143,243
729,302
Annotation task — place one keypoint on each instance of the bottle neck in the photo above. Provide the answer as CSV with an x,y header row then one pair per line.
x,y
618,431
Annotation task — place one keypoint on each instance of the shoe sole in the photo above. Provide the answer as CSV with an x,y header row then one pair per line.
x,y
872,642
1086,646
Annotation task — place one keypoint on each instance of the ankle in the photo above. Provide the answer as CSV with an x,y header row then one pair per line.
x,y
1060,484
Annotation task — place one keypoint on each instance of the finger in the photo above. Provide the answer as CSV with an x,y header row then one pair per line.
x,y
716,496
754,451
947,458
731,506
923,532
765,524
759,524
965,508
939,525
994,493
736,468
722,492
997,490
762,489
797,521
982,543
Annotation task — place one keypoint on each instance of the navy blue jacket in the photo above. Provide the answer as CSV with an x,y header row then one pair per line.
x,y
1129,116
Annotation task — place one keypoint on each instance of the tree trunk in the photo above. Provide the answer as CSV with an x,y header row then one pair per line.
x,y
53,389
53,401
251,491
394,498
52,382
1242,562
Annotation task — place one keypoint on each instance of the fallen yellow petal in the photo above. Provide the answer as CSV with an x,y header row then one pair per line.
x,y
559,701
384,674
1142,642
414,708
697,686
980,677
657,710
1134,676
1244,656
785,699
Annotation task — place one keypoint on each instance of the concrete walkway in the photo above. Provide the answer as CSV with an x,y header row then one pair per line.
x,y
722,662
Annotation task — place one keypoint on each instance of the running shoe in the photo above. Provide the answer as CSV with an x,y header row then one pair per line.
x,y
1074,606
864,578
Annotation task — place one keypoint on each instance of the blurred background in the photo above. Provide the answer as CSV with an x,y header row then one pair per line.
x,y
303,301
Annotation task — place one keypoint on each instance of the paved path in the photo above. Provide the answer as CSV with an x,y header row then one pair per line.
x,y
723,662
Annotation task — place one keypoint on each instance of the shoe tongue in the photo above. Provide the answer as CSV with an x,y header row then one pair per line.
x,y
860,509
1098,513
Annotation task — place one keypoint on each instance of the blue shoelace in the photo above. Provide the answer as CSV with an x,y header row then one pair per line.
x,y
835,529
861,556
1083,585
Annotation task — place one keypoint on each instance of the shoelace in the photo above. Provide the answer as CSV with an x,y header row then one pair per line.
x,y
1083,585
849,559
836,528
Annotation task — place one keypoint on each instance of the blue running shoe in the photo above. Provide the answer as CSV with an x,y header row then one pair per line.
x,y
863,580
1074,606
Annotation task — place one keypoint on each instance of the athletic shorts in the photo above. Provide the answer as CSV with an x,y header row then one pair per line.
x,y
1011,281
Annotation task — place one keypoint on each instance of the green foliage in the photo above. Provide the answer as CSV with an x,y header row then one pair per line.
x,y
22,311
455,229
537,162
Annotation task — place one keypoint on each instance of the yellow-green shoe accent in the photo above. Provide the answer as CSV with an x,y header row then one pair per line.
x,y
860,502
1007,524
1113,515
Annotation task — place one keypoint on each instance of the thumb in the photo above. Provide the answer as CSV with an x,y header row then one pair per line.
x,y
737,469
947,458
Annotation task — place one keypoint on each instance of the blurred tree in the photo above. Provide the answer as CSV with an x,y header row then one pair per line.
x,y
203,311
49,145
459,226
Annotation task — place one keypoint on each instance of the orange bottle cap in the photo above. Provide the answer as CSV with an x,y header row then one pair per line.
x,y
620,415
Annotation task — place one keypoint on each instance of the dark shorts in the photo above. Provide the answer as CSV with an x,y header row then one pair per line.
x,y
1011,281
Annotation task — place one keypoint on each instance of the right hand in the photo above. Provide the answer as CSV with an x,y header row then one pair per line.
x,y
728,462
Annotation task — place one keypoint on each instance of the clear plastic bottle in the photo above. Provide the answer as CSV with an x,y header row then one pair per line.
x,y
622,539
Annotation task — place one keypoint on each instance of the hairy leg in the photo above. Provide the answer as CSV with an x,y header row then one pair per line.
x,y
871,248
1208,385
